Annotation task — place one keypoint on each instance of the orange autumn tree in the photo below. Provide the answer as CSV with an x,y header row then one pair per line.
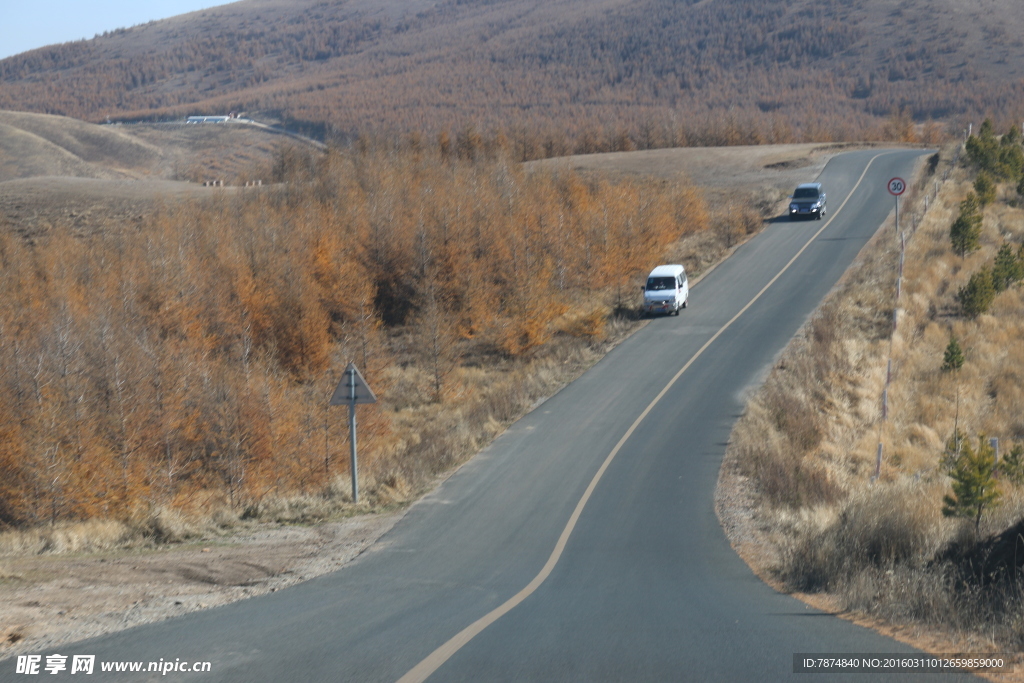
x,y
189,359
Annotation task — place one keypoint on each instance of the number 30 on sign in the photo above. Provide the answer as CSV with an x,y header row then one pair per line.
x,y
897,186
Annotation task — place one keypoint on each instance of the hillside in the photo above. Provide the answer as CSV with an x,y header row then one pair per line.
x,y
41,145
59,171
583,74
844,479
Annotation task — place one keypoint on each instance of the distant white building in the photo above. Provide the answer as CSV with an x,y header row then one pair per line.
x,y
207,119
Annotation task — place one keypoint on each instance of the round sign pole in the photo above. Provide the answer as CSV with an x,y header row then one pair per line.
x,y
897,186
352,389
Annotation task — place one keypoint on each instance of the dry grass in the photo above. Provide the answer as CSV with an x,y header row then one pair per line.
x,y
164,525
879,527
885,556
809,437
161,525
90,536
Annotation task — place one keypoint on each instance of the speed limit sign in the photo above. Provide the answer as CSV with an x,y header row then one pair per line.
x,y
897,186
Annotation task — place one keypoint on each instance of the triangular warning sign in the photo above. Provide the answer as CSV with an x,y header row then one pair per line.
x,y
352,388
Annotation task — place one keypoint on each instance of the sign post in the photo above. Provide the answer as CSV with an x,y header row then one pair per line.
x,y
897,186
352,389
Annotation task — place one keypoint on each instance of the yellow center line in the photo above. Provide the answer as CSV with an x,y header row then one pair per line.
x,y
435,659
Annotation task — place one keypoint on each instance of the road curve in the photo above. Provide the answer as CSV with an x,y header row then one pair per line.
x,y
643,586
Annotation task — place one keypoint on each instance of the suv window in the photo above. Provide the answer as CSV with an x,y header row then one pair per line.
x,y
805,193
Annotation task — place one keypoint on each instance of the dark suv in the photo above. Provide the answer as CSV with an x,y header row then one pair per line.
x,y
807,200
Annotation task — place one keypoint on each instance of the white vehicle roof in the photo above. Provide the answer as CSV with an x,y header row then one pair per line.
x,y
667,271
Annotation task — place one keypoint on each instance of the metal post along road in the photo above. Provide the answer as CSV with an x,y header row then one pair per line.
x,y
352,389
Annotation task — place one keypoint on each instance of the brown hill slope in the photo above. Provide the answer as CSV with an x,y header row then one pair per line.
x,y
659,68
92,144
37,145
34,145
59,171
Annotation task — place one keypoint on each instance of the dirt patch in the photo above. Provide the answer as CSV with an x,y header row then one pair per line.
x,y
32,206
788,164
47,600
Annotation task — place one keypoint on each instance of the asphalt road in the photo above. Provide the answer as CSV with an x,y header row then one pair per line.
x,y
646,587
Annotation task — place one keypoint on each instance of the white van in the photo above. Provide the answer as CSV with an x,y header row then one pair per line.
x,y
666,290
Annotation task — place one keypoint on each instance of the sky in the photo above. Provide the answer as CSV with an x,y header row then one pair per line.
x,y
28,24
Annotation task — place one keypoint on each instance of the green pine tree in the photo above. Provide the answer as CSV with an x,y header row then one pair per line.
x,y
1012,465
1012,136
986,189
1003,159
974,483
976,296
966,229
954,356
1008,268
1011,161
983,148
